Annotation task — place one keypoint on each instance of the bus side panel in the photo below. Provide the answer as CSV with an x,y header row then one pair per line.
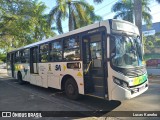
x,y
77,74
53,71
51,74
24,69
33,79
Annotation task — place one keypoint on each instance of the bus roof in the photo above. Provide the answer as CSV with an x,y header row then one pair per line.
x,y
80,30
89,27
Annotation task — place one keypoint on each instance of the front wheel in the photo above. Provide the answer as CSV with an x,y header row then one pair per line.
x,y
71,89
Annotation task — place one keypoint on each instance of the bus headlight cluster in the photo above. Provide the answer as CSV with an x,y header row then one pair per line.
x,y
120,82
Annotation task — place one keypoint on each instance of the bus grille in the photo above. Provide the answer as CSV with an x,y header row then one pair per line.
x,y
135,72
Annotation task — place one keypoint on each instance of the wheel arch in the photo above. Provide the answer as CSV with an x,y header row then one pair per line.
x,y
64,79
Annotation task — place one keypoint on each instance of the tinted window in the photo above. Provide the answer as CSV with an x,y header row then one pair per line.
x,y
8,57
17,57
56,46
71,43
44,48
24,55
34,53
71,48
56,51
44,53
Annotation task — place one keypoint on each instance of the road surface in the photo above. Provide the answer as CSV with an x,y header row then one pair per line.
x,y
27,97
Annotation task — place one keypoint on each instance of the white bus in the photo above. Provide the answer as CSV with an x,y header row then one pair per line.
x,y
102,60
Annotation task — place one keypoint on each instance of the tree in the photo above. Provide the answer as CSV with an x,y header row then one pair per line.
x,y
39,21
2,57
152,42
158,1
124,10
79,13
138,14
97,1
22,23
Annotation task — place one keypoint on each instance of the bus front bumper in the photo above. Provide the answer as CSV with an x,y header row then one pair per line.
x,y
120,93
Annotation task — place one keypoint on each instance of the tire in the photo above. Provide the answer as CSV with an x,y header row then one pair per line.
x,y
71,89
20,81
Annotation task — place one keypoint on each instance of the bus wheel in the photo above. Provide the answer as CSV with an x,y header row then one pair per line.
x,y
20,81
71,89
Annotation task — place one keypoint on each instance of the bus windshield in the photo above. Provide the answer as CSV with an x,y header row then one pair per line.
x,y
128,51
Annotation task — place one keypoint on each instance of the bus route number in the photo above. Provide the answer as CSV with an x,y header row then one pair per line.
x,y
58,67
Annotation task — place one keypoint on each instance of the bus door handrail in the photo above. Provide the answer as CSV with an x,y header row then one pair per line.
x,y
86,71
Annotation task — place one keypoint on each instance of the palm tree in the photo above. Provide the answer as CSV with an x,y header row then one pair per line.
x,y
97,1
78,12
124,10
90,18
23,22
39,21
158,1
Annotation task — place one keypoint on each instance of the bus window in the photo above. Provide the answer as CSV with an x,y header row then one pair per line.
x,y
56,51
17,57
72,49
44,53
24,54
8,57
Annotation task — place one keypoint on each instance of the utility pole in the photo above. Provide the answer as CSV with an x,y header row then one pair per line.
x,y
138,15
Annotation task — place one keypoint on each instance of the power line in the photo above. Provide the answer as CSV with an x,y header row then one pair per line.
x,y
100,9
105,5
106,14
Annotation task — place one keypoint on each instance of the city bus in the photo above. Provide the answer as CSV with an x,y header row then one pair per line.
x,y
103,60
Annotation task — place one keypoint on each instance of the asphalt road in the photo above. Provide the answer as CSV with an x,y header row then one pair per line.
x,y
27,97
148,101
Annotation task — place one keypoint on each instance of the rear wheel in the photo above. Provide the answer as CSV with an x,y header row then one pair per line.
x,y
71,89
20,81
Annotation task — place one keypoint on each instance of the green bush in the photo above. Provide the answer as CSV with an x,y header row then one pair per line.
x,y
2,57
1,62
151,56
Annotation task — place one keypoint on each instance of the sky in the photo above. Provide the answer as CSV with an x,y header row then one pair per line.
x,y
104,10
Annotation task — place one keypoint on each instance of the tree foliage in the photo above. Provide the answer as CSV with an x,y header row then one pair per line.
x,y
124,10
78,12
22,22
97,1
151,42
158,1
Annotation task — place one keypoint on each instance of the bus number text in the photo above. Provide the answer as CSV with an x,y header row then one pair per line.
x,y
58,67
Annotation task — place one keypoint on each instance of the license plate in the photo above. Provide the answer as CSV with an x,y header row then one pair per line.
x,y
141,88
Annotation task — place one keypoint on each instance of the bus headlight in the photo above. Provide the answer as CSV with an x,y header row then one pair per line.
x,y
120,82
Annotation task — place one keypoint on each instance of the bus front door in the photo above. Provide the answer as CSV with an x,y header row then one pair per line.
x,y
94,65
34,60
